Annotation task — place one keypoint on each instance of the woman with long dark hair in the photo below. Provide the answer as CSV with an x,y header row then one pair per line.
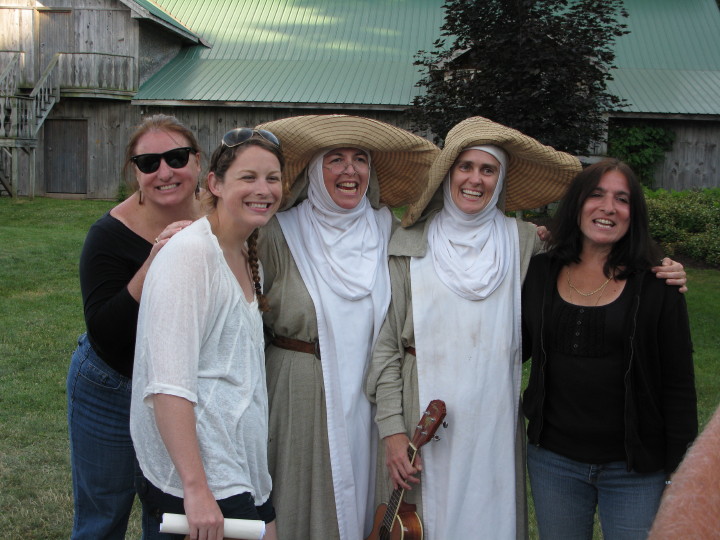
x,y
611,399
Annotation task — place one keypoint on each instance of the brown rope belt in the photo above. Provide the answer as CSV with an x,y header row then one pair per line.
x,y
307,347
297,345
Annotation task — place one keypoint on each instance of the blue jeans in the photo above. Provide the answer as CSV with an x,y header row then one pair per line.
x,y
567,492
102,456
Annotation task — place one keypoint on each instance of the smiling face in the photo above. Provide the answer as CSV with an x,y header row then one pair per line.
x,y
345,173
251,190
605,215
166,186
473,179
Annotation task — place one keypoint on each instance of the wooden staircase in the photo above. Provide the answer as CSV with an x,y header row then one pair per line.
x,y
21,117
74,75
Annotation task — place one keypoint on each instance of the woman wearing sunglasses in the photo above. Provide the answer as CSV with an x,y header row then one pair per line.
x,y
164,159
199,414
327,282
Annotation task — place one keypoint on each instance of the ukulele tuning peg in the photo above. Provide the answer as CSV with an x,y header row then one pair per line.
x,y
445,425
436,438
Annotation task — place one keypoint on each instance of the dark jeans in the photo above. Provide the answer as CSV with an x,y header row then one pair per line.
x,y
156,503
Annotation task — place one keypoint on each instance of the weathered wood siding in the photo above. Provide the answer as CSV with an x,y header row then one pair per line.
x,y
210,123
105,126
55,35
17,23
109,125
694,161
41,29
157,48
100,26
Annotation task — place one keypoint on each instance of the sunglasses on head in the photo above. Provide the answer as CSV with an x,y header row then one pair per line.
x,y
176,158
236,137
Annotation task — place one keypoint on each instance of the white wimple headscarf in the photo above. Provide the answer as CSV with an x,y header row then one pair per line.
x,y
345,245
469,251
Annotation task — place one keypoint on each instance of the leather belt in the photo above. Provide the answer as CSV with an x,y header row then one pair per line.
x,y
297,345
411,350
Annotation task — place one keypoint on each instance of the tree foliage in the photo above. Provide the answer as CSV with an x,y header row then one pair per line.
x,y
539,66
642,145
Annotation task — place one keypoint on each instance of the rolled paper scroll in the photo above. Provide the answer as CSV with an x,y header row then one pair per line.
x,y
247,529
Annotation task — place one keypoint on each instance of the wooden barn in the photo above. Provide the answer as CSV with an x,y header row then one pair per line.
x,y
77,75
68,72
669,74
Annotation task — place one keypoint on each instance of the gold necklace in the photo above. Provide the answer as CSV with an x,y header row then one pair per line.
x,y
600,295
600,288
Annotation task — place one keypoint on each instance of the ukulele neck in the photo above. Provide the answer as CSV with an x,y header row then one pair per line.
x,y
397,494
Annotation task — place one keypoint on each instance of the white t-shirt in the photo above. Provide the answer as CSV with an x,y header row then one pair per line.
x,y
198,338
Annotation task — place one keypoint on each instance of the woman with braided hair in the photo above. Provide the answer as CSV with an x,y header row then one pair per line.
x,y
199,413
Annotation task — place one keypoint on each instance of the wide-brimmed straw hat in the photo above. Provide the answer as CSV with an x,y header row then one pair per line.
x,y
536,174
399,158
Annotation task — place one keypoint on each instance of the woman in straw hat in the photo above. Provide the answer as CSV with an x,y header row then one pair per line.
x,y
611,400
453,329
328,286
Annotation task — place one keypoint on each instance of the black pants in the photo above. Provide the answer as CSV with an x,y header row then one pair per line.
x,y
156,503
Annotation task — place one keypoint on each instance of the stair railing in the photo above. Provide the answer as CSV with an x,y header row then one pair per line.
x,y
45,94
10,76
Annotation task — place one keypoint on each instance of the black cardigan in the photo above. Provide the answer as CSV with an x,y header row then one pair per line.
x,y
660,400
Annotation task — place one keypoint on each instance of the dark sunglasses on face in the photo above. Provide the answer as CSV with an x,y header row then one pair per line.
x,y
176,158
235,137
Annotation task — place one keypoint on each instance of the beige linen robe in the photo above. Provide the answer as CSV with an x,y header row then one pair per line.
x,y
392,381
298,448
298,451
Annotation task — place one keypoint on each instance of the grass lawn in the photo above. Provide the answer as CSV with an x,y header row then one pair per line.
x,y
41,317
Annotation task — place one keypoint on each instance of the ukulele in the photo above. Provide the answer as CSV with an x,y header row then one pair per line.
x,y
398,520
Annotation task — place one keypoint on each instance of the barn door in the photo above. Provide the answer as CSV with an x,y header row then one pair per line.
x,y
54,35
66,148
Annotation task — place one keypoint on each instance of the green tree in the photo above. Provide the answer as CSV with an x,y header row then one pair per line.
x,y
539,66
642,145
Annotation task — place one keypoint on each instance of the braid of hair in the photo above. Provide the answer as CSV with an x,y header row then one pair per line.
x,y
255,268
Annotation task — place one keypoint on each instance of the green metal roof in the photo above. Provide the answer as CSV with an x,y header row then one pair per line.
x,y
298,52
360,53
669,63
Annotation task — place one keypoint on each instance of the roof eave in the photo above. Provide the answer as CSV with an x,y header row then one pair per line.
x,y
664,116
139,12
268,104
